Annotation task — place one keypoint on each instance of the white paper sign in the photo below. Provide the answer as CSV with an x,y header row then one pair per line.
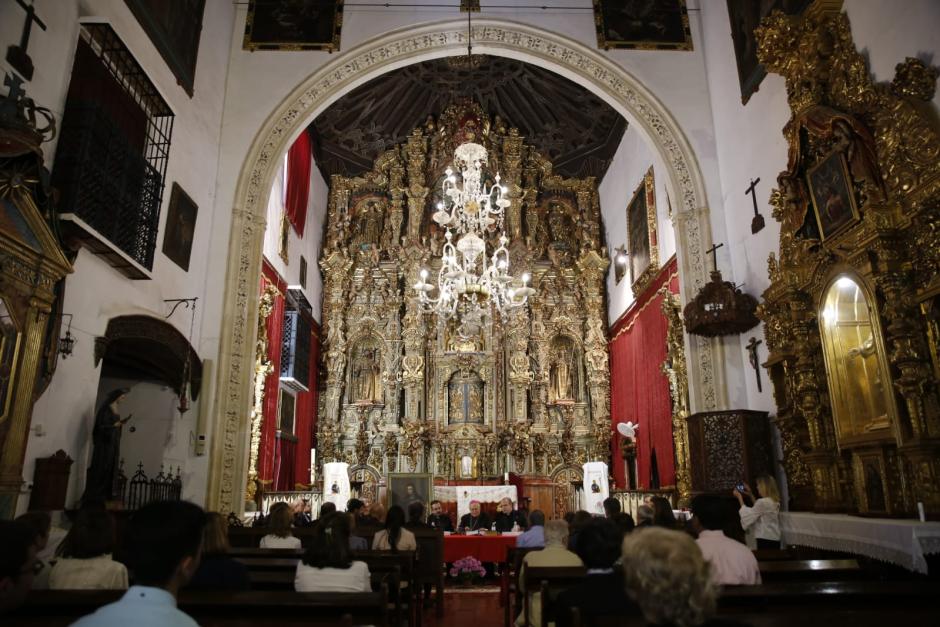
x,y
336,484
596,488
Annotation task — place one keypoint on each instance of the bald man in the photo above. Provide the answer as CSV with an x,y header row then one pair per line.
x,y
508,519
475,520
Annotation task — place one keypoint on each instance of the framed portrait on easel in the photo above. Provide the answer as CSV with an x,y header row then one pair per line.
x,y
642,243
406,488
832,195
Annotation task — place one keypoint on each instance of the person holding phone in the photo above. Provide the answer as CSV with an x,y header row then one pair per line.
x,y
761,520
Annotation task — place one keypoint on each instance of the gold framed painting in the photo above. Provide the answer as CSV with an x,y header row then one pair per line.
x,y
293,25
831,192
661,25
405,488
642,239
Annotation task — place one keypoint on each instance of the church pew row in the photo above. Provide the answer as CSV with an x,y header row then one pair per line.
x,y
58,608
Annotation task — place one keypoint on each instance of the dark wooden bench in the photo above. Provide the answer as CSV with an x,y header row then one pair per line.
x,y
547,582
59,608
810,570
509,595
429,566
404,562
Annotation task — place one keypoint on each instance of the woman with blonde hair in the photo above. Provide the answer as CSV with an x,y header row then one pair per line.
x,y
280,519
218,571
762,519
667,576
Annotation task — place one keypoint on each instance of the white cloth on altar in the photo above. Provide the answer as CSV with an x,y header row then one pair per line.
x,y
901,542
595,472
336,488
463,494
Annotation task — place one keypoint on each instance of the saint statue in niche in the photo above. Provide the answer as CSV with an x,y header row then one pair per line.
x,y
562,373
366,375
370,224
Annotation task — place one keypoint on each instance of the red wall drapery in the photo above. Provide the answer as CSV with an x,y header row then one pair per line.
x,y
639,391
285,451
305,422
299,160
275,326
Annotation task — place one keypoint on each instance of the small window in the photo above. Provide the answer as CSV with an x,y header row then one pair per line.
x,y
285,422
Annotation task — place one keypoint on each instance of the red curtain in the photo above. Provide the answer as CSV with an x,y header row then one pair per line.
x,y
275,326
299,159
305,423
639,391
285,451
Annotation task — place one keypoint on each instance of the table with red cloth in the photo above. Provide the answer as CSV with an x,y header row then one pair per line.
x,y
484,548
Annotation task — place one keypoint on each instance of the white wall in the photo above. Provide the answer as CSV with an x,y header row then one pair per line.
x,y
308,245
95,292
751,145
630,163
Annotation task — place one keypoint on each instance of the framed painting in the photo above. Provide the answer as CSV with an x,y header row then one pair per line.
x,y
641,234
293,25
406,488
660,25
620,263
745,16
174,28
831,191
180,227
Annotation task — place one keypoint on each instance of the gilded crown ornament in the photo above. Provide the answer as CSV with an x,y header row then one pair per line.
x,y
720,308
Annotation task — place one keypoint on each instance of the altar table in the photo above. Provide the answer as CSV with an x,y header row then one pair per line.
x,y
484,548
901,542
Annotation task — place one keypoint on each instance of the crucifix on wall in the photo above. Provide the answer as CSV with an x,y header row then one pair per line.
x,y
752,357
757,222
16,55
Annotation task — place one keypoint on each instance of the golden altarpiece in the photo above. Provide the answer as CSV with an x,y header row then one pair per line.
x,y
530,393
851,312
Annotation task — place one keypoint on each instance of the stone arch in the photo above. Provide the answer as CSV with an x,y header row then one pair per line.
x,y
377,56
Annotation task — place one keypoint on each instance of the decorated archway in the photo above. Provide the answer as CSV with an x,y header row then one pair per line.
x,y
387,52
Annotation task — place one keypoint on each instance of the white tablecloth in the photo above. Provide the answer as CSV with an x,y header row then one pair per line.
x,y
901,542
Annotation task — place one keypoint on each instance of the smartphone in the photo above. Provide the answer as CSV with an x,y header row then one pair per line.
x,y
740,488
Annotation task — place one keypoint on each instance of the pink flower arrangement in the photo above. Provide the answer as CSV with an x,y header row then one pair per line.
x,y
467,567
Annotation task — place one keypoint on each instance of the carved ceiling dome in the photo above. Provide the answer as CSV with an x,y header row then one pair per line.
x,y
570,126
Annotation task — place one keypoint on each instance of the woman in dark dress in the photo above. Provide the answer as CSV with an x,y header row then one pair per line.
x,y
106,437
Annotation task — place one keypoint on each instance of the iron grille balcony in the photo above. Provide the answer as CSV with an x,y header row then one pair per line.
x,y
295,351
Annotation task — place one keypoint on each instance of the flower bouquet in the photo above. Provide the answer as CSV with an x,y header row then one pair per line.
x,y
467,569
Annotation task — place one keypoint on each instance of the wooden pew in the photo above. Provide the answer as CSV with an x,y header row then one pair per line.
x,y
810,570
59,608
404,561
547,582
429,566
510,596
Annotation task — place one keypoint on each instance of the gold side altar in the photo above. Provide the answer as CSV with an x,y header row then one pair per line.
x,y
530,393
851,312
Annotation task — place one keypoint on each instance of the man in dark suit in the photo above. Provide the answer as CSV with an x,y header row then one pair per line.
x,y
475,520
438,519
507,518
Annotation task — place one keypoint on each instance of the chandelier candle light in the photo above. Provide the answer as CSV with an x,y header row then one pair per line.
x,y
469,283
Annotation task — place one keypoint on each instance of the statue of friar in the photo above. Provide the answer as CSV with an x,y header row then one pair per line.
x,y
106,438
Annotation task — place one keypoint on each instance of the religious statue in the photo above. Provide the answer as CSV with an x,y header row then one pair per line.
x,y
561,375
863,374
106,437
370,223
366,374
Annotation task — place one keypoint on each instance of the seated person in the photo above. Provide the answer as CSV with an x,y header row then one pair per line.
x,y
416,516
732,563
535,536
218,571
665,573
555,553
162,542
40,524
327,566
279,524
611,507
438,519
326,509
602,592
508,519
17,563
394,537
644,516
376,515
356,543
662,513
475,520
364,516
302,517
84,557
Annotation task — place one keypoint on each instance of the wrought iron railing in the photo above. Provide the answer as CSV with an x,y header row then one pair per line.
x,y
141,490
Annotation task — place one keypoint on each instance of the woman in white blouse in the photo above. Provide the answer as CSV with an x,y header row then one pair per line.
x,y
84,557
395,537
762,519
327,566
280,519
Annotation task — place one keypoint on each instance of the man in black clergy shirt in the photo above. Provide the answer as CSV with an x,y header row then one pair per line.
x,y
507,517
438,519
475,520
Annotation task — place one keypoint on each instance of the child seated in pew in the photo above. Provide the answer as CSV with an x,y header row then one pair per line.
x,y
218,571
280,520
327,566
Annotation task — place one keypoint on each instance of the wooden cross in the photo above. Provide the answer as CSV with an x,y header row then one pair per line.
x,y
713,251
752,349
16,55
757,223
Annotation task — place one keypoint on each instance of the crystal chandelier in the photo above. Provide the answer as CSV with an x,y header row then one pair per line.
x,y
470,281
